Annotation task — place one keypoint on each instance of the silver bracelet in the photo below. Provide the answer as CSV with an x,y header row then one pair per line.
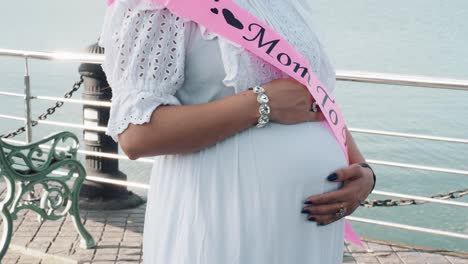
x,y
264,108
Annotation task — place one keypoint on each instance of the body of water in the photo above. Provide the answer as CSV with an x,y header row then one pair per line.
x,y
423,37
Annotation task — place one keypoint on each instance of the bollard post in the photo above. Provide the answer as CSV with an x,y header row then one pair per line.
x,y
99,195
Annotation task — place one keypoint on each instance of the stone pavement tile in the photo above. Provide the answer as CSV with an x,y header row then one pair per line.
x,y
366,259
28,260
22,233
136,225
20,241
128,258
390,259
40,238
94,228
130,233
354,248
409,254
113,229
40,245
28,229
11,257
68,232
59,251
437,259
348,258
82,257
129,251
107,251
457,260
117,224
52,224
128,261
78,250
104,257
379,247
413,260
64,240
103,262
117,219
61,245
132,242
108,244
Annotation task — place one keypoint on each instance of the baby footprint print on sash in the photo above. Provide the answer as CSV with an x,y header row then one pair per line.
x,y
228,17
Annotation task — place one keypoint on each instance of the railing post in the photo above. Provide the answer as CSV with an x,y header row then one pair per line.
x,y
27,102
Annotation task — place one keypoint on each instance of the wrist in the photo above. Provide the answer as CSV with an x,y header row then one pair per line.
x,y
251,106
366,165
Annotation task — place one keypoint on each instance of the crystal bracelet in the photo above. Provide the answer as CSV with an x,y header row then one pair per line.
x,y
264,108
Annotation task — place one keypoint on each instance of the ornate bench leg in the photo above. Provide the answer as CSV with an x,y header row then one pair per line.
x,y
7,231
86,240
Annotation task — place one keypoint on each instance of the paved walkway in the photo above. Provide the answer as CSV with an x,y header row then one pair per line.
x,y
119,240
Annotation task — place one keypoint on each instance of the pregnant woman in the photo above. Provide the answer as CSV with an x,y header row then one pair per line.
x,y
223,190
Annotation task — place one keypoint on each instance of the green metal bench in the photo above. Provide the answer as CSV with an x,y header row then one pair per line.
x,y
55,175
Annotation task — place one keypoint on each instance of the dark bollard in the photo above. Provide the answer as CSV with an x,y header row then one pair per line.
x,y
98,195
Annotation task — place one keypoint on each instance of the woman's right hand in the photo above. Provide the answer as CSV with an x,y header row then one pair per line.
x,y
290,102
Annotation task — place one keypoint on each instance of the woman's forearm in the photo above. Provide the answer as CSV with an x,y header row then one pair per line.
x,y
189,128
354,154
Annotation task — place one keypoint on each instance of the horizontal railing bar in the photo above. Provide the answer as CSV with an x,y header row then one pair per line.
x,y
356,76
13,117
418,167
407,135
118,182
420,198
12,94
63,124
376,162
85,152
75,101
399,79
408,227
55,56
107,180
112,156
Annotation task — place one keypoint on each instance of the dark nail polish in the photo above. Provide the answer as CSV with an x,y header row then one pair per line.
x,y
308,202
304,211
311,219
332,177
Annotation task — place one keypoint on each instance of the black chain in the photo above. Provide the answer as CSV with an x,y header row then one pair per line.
x,y
48,112
401,202
367,203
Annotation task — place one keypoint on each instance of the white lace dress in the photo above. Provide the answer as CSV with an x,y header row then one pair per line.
x,y
239,201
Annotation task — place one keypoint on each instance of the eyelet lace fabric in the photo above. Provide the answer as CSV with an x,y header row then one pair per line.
x,y
145,56
144,63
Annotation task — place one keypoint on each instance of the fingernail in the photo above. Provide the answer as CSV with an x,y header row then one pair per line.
x,y
311,219
308,202
304,211
332,177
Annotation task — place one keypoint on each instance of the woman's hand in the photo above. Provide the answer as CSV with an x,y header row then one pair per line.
x,y
357,185
290,102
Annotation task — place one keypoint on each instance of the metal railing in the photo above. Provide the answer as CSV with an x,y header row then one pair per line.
x,y
366,77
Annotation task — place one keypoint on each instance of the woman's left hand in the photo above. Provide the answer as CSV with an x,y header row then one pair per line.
x,y
357,185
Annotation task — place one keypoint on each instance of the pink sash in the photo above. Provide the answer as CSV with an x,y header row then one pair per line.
x,y
231,21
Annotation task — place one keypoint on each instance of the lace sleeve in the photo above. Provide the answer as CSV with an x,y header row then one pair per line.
x,y
144,63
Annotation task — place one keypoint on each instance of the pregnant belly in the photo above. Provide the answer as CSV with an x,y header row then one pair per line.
x,y
301,155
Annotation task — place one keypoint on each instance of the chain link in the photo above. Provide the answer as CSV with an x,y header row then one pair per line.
x,y
401,202
48,112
